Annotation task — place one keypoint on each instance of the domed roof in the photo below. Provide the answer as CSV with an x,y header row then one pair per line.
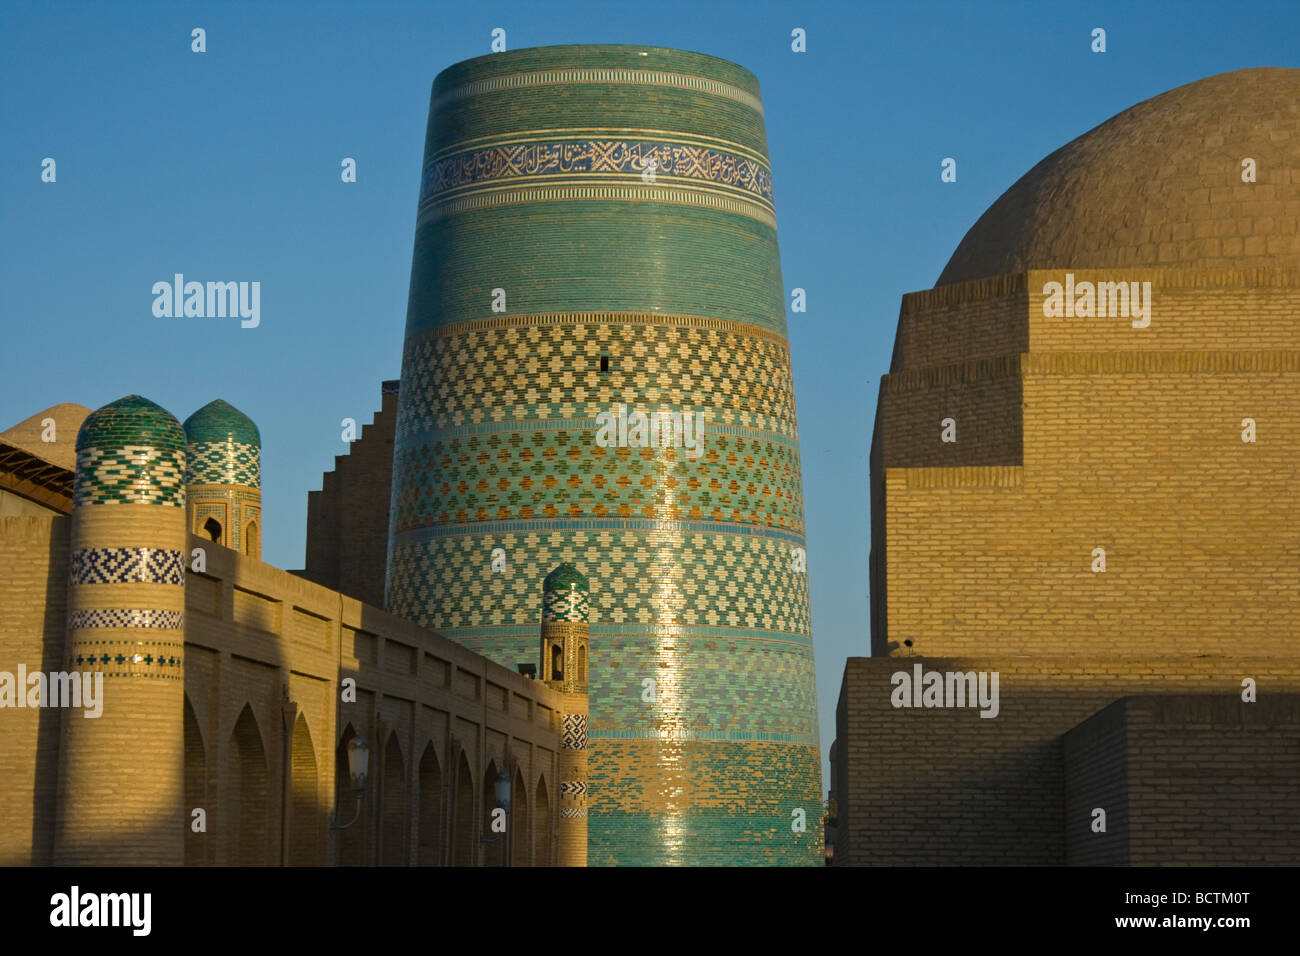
x,y
1160,186
565,575
220,421
29,434
132,420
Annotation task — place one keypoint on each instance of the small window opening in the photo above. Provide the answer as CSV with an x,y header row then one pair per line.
x,y
212,528
604,363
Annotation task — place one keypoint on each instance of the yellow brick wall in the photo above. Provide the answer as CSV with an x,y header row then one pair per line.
x,y
1129,440
33,614
944,786
265,652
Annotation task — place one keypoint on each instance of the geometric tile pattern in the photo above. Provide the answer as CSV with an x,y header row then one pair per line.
x,y
131,451
572,787
130,474
539,161
573,813
124,658
572,605
224,463
127,565
522,473
738,373
126,617
575,732
646,577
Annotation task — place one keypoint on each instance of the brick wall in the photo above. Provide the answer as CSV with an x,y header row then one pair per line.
x,y
1186,780
265,655
943,786
347,520
1129,440
33,612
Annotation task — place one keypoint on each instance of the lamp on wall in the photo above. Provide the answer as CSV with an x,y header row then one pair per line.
x,y
501,788
358,773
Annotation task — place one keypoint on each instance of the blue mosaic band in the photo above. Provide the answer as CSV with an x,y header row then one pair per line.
x,y
127,566
127,617
535,162
575,732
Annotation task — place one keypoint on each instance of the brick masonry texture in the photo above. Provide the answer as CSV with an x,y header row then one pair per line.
x,y
265,652
944,786
1083,435
347,520
1185,780
1158,185
534,184
1128,440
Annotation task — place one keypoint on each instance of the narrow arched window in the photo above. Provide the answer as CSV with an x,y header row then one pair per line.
x,y
557,662
212,528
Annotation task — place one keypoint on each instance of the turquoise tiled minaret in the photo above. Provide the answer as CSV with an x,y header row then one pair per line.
x,y
596,256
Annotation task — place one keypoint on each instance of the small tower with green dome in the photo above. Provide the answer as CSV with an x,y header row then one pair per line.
x,y
566,607
224,478
121,796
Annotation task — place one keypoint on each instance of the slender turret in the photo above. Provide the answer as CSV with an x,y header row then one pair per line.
x,y
224,477
120,776
566,603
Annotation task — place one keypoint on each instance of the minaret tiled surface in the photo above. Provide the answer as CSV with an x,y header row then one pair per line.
x,y
596,236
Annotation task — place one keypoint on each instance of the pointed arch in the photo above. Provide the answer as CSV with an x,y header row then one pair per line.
x,y
247,795
542,825
582,663
465,839
250,539
306,811
212,528
521,836
199,847
394,821
432,819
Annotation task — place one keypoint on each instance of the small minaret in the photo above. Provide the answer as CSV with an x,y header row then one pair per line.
x,y
566,602
121,771
224,477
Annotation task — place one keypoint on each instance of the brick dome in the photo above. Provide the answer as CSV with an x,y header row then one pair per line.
x,y
1158,185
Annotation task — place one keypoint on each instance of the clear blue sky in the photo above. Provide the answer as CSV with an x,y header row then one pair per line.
x,y
225,165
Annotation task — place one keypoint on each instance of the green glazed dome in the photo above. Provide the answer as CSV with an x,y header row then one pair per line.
x,y
130,452
132,420
563,578
219,421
